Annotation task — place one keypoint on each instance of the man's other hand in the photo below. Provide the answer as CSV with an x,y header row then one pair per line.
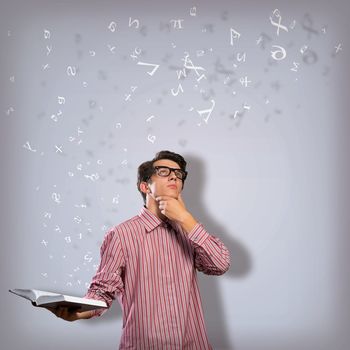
x,y
174,209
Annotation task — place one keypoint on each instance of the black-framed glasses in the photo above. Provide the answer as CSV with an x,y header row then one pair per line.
x,y
165,171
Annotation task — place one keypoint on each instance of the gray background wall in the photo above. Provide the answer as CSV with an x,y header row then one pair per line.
x,y
270,179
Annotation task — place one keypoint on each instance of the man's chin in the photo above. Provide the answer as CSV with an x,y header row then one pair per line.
x,y
171,193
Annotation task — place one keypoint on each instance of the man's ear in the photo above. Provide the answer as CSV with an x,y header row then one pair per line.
x,y
144,187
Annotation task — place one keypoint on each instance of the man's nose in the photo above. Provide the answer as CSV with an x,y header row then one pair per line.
x,y
172,175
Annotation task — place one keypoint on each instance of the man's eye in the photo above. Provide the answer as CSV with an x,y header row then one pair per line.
x,y
163,172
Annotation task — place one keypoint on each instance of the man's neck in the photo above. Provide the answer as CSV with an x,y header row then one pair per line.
x,y
153,207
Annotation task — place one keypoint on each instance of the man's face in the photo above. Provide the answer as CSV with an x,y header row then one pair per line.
x,y
165,186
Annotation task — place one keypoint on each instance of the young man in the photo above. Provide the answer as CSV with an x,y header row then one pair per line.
x,y
149,263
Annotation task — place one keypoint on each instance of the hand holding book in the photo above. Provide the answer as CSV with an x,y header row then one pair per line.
x,y
67,307
69,314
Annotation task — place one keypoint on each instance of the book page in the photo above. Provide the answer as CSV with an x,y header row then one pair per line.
x,y
39,293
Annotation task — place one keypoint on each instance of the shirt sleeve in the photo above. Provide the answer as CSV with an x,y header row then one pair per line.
x,y
108,279
211,255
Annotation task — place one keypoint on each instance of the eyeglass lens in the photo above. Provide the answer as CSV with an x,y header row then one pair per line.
x,y
165,171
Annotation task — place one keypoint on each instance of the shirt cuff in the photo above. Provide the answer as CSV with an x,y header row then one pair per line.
x,y
95,296
198,235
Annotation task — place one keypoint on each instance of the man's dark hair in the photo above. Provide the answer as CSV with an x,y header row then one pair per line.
x,y
146,169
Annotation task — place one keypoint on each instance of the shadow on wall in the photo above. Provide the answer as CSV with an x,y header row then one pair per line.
x,y
241,264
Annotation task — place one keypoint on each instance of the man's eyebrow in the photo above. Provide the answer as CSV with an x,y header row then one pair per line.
x,y
165,166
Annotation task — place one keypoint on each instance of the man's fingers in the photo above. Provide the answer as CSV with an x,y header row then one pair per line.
x,y
65,312
50,308
164,198
55,311
161,205
62,312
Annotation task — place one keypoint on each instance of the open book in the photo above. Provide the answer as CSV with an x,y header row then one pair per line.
x,y
43,299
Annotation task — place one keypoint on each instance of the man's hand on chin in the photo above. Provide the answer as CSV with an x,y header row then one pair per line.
x,y
174,209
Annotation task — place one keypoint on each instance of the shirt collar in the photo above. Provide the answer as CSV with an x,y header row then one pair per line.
x,y
151,221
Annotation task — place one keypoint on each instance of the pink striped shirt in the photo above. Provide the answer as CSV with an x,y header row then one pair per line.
x,y
150,266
